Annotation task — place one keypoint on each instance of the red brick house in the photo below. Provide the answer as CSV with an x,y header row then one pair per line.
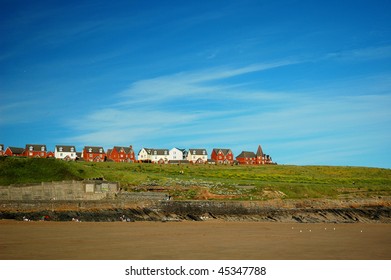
x,y
50,154
222,156
121,154
260,155
262,158
96,154
257,158
35,151
247,158
14,152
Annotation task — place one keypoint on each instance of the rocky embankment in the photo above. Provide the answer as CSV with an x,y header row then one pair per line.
x,y
172,211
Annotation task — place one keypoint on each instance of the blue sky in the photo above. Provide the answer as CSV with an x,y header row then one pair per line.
x,y
308,80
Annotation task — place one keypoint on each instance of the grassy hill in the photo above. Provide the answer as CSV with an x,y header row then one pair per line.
x,y
26,170
211,181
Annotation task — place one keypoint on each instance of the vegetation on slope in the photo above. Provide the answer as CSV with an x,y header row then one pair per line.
x,y
36,170
211,181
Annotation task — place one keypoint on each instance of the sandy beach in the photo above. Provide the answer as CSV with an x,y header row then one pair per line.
x,y
193,240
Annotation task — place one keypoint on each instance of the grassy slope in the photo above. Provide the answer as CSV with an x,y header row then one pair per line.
x,y
24,170
188,181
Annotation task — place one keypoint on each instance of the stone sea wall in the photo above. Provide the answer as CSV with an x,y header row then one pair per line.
x,y
65,190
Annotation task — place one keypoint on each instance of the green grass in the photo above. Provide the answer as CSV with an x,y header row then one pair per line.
x,y
25,170
189,181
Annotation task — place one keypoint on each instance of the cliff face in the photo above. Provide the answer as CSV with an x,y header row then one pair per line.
x,y
169,211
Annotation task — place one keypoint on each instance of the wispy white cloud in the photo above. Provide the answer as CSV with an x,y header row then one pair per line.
x,y
20,112
314,124
369,53
204,82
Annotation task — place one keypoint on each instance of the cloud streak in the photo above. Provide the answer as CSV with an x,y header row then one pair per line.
x,y
192,109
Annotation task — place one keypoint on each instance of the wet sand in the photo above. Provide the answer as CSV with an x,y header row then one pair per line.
x,y
217,240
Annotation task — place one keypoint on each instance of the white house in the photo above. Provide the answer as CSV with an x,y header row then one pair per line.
x,y
197,156
160,155
177,154
65,152
154,155
144,154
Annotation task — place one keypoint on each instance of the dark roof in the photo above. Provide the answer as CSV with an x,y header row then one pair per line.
x,y
182,150
160,152
199,152
36,147
95,150
66,149
127,150
259,151
16,150
148,150
246,154
224,151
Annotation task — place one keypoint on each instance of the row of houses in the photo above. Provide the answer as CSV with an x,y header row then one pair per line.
x,y
126,154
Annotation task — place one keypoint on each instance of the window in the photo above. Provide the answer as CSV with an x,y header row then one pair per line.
x,y
90,150
31,148
60,149
203,152
165,152
72,149
194,152
42,148
100,150
155,153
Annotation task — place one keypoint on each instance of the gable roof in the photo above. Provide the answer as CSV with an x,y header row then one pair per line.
x,y
66,149
35,147
246,154
147,150
224,151
160,152
127,150
16,150
182,150
198,152
259,151
95,150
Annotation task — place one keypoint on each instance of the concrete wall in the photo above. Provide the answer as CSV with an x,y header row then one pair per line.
x,y
65,190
